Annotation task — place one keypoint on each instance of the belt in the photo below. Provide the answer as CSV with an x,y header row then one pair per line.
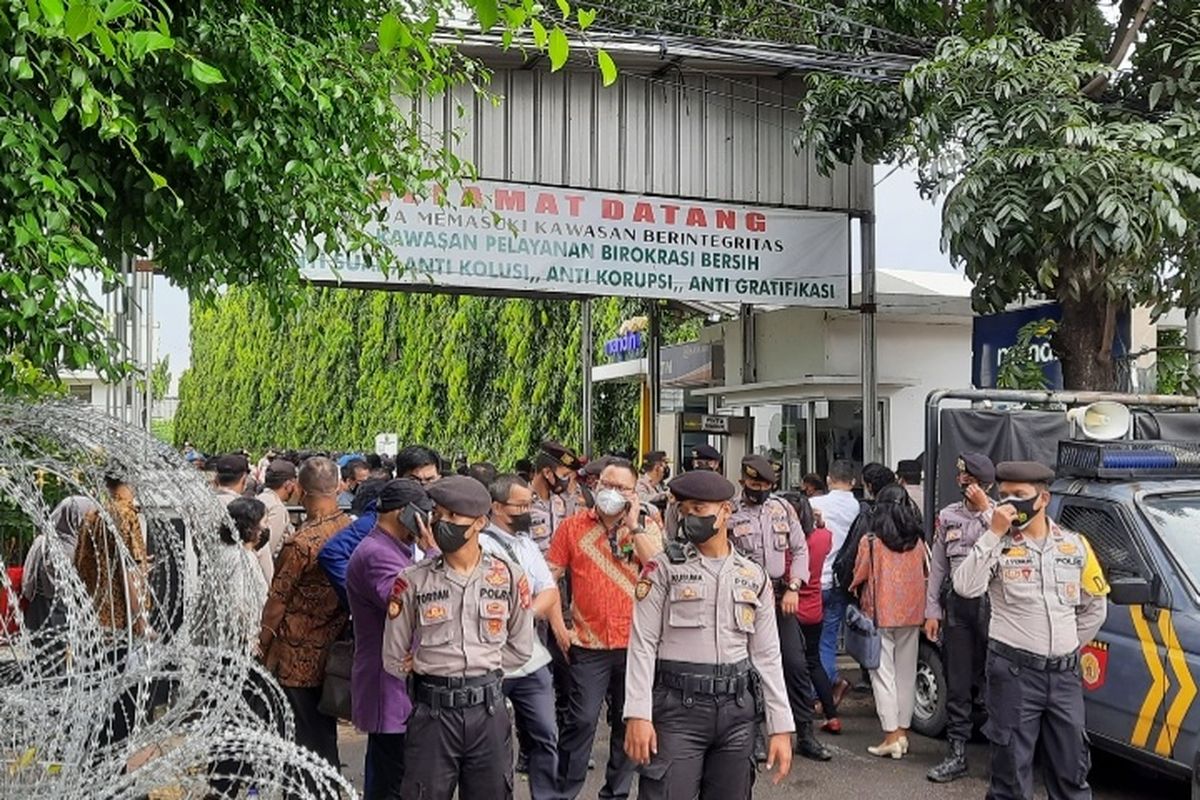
x,y
440,692
1033,661
711,679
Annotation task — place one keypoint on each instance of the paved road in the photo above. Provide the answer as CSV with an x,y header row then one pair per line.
x,y
855,775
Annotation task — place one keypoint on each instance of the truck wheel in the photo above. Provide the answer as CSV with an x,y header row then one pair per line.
x,y
929,711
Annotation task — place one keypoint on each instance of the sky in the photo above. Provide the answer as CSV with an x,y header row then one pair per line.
x,y
907,233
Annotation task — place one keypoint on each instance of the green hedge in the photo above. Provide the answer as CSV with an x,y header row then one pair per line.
x,y
485,376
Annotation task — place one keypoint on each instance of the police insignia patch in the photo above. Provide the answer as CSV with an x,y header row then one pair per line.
x,y
495,607
497,575
435,612
642,589
495,626
748,595
1068,548
688,593
394,608
523,592
747,616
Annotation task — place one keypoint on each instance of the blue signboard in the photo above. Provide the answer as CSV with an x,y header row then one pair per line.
x,y
992,335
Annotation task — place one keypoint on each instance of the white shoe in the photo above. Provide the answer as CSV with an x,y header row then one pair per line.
x,y
904,744
893,750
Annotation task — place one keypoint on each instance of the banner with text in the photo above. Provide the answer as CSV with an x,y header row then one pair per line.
x,y
537,239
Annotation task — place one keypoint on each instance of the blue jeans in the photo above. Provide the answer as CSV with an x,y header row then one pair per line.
x,y
835,612
532,699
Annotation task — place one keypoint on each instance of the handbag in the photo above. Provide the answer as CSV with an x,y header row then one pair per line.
x,y
335,689
863,640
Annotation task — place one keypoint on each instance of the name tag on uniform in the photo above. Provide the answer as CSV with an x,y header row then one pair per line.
x,y
953,534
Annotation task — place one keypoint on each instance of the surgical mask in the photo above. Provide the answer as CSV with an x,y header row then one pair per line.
x,y
521,523
755,496
1024,507
699,529
449,537
610,502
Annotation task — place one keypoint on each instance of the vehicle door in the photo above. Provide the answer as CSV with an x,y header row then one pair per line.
x,y
1124,669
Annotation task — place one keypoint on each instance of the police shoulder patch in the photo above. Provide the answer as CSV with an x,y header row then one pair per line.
x,y
395,606
642,589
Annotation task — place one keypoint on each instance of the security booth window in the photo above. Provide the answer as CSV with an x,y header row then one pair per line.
x,y
1176,519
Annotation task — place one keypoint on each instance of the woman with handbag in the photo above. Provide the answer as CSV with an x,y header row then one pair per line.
x,y
889,576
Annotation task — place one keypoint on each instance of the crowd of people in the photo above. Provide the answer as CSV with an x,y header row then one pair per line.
x,y
704,616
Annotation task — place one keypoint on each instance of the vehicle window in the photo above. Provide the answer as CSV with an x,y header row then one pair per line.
x,y
1109,537
1176,518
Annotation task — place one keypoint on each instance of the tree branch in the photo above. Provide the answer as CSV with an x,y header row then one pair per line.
x,y
1127,31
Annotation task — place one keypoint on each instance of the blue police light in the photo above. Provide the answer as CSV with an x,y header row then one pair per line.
x,y
1128,460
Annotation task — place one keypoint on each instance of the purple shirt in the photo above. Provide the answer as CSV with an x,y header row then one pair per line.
x,y
379,702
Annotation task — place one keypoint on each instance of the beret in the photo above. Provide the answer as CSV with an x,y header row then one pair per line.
x,y
758,468
561,454
400,492
978,465
461,495
706,452
232,464
281,466
1024,472
597,465
701,485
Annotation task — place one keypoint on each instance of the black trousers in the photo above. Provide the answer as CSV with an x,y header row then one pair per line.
x,y
385,766
705,748
820,678
468,749
965,647
1030,709
314,730
597,676
801,695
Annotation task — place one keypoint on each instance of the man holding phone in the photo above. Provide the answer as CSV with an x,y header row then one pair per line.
x,y
380,704
602,550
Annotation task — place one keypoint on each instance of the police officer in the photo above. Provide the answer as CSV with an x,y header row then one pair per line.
x,y
554,498
1048,597
470,613
765,529
704,657
704,457
656,469
959,525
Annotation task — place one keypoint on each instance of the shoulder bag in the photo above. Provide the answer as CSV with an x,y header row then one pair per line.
x,y
863,639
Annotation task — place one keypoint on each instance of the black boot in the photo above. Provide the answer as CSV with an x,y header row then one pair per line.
x,y
808,746
954,767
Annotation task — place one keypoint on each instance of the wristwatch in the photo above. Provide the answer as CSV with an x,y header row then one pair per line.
x,y
793,586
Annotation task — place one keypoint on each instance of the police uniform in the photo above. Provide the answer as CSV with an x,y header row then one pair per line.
x,y
469,630
704,664
545,515
1047,599
767,533
964,629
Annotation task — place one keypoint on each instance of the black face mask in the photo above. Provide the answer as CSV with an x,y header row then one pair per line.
x,y
449,537
666,473
560,483
699,529
1024,507
521,523
755,496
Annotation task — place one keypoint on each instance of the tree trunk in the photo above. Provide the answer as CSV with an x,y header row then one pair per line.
x,y
1083,343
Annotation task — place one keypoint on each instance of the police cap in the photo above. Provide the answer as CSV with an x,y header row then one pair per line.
x,y
461,495
400,492
979,466
283,468
561,454
232,464
709,487
706,452
758,468
1024,472
597,465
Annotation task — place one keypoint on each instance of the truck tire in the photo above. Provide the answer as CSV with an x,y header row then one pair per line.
x,y
929,710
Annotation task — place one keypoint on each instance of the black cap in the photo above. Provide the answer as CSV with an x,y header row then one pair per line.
x,y
232,464
282,467
654,456
597,465
1024,472
758,468
561,454
701,485
400,492
461,495
706,452
977,465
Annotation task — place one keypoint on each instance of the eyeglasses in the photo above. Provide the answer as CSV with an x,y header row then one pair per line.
x,y
617,486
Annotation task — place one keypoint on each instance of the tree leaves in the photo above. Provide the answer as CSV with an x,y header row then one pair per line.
x,y
608,70
206,74
389,32
559,49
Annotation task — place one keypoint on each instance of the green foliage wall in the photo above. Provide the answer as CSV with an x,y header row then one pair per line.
x,y
485,376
